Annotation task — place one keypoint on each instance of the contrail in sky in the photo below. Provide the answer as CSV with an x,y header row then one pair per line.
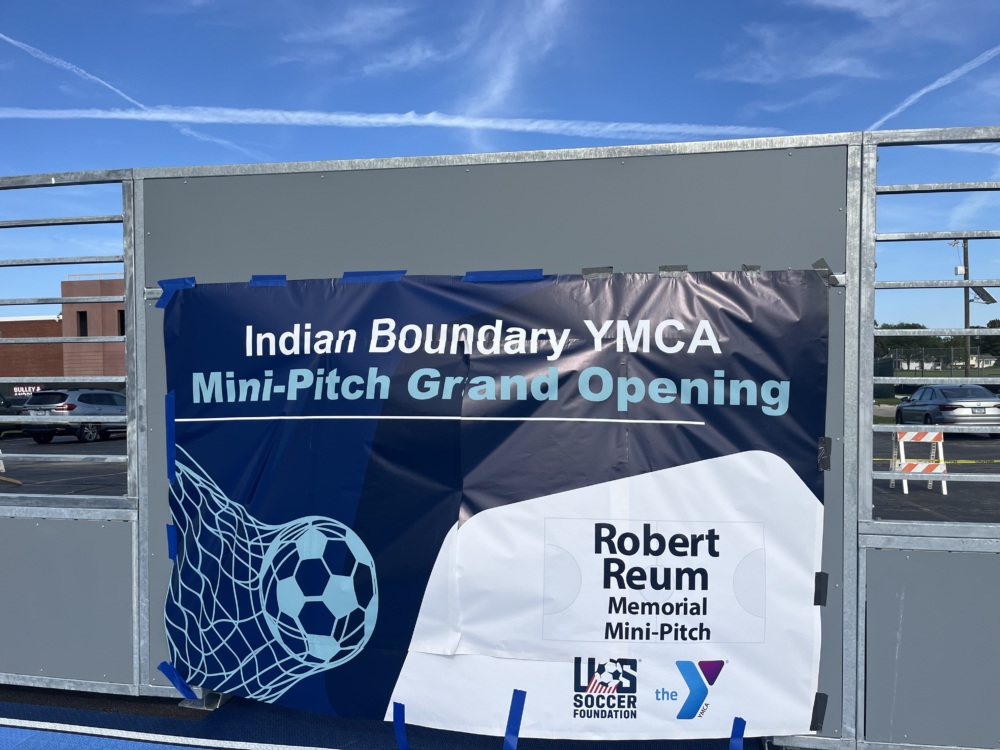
x,y
81,73
234,116
182,117
939,83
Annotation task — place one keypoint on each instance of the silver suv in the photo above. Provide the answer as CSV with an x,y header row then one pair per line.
x,y
77,402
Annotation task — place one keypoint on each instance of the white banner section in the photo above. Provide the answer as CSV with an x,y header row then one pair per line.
x,y
656,606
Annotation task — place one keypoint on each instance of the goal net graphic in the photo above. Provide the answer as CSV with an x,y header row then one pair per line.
x,y
252,608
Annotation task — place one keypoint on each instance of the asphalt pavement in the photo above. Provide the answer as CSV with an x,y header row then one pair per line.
x,y
72,477
972,502
969,502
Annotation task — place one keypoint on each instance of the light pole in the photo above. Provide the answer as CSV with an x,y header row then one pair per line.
x,y
968,321
965,292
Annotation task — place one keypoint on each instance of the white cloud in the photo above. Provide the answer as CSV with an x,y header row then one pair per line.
x,y
777,52
183,116
522,38
358,27
974,212
67,66
419,52
945,80
81,73
868,9
989,86
408,57
854,39
819,96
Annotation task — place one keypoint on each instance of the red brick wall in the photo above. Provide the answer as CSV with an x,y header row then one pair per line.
x,y
35,362
102,320
30,360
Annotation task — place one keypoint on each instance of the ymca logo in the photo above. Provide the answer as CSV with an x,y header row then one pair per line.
x,y
698,679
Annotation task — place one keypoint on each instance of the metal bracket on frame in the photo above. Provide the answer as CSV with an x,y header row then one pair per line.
x,y
828,276
598,272
209,701
825,451
673,272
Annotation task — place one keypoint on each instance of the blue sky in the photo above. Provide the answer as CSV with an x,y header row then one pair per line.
x,y
112,84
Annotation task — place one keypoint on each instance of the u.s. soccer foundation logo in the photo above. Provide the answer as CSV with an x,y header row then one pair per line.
x,y
604,689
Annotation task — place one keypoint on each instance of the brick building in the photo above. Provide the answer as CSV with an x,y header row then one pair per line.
x,y
30,361
93,319
35,362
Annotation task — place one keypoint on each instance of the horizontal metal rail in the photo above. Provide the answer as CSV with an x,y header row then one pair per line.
x,y
929,332
64,179
914,477
65,379
940,187
60,300
64,340
936,380
973,234
63,261
949,428
62,221
63,458
937,284
86,502
932,136
63,418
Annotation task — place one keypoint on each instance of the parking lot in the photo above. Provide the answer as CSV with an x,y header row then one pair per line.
x,y
64,478
966,502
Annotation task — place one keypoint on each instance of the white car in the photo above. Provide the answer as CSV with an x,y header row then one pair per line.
x,y
78,402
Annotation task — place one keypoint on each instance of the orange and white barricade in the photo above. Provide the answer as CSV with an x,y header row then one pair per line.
x,y
933,465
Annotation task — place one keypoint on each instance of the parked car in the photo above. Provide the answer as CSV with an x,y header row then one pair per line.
x,y
10,406
942,404
78,402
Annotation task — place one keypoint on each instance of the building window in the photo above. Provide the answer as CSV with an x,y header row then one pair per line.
x,y
81,323
121,322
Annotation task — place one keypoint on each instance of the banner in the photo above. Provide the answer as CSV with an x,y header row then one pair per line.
x,y
435,490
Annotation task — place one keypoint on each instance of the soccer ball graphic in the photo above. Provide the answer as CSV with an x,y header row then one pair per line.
x,y
319,592
609,673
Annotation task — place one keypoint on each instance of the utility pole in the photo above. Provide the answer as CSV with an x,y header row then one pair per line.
x,y
968,323
965,292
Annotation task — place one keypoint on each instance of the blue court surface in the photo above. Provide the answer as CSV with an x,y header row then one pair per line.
x,y
41,719
33,739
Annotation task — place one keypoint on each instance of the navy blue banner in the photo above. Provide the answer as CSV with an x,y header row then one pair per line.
x,y
329,435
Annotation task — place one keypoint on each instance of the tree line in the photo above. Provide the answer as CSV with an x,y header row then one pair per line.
x,y
886,346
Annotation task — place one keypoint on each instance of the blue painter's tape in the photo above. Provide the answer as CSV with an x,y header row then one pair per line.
x,y
399,725
275,280
172,541
736,738
175,679
171,286
514,720
523,274
366,277
168,409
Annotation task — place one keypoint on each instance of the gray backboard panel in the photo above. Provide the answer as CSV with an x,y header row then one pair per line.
x,y
932,666
780,208
67,613
712,211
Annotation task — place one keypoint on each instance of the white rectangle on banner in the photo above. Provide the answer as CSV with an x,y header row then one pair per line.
x,y
535,596
660,581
